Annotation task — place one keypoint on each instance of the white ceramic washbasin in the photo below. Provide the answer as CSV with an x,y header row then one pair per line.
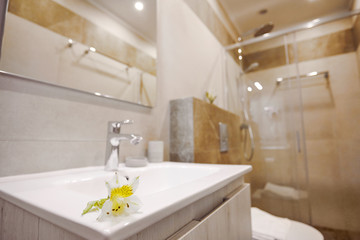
x,y
165,188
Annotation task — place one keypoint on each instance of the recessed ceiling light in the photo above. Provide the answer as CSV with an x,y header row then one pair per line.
x,y
239,50
249,89
139,6
258,85
240,57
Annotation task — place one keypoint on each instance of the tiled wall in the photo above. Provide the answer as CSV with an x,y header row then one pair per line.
x,y
323,46
332,140
194,133
44,128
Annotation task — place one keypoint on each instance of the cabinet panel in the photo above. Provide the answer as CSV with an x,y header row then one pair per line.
x,y
18,224
1,217
48,230
231,220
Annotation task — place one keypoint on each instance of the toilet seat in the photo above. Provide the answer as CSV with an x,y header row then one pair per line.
x,y
301,231
268,226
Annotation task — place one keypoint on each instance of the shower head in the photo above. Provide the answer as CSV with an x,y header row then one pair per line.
x,y
266,28
251,67
259,31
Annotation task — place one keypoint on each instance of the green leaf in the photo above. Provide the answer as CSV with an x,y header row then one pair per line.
x,y
94,205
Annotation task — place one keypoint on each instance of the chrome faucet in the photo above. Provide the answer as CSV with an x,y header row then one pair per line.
x,y
113,143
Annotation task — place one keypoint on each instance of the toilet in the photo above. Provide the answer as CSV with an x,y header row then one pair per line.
x,y
301,231
269,227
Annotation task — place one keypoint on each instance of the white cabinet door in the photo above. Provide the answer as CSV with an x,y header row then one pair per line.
x,y
231,220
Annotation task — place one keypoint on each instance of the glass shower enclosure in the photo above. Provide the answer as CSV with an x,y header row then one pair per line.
x,y
300,93
273,108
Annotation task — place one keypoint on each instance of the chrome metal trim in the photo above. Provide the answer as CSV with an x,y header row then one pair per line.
x,y
247,127
3,9
96,94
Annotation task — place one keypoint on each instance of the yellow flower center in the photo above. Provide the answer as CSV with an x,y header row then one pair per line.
x,y
121,192
118,207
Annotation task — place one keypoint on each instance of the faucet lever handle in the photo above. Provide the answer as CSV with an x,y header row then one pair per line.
x,y
127,121
116,126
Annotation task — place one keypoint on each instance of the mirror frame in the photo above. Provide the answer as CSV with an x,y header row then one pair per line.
x,y
3,10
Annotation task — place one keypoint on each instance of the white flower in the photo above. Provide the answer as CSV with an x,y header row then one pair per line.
x,y
120,201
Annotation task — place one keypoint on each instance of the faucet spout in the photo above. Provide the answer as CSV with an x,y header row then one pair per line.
x,y
114,137
132,138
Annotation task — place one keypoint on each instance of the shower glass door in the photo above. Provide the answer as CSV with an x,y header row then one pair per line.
x,y
274,107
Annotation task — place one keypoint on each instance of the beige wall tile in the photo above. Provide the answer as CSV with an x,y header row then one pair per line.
x,y
199,140
325,187
324,46
347,119
349,165
206,134
322,160
37,156
269,58
319,123
356,31
306,34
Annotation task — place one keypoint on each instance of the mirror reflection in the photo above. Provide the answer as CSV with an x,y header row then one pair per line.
x,y
87,45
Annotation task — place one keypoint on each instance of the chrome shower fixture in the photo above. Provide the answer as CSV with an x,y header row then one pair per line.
x,y
90,49
264,29
259,31
70,43
251,67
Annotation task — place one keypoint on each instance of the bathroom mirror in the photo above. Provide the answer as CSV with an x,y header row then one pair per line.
x,y
3,7
89,45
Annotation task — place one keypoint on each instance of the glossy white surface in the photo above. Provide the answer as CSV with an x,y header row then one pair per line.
x,y
300,231
60,196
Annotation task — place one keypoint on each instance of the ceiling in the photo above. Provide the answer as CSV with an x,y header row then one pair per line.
x,y
142,22
245,14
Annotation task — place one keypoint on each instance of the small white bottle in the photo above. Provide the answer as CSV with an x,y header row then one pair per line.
x,y
156,151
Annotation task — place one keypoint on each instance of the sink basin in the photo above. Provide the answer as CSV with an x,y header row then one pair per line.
x,y
60,196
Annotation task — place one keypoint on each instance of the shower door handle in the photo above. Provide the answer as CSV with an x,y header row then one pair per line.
x,y
298,142
252,143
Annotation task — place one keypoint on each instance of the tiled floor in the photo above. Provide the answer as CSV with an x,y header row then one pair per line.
x,y
331,234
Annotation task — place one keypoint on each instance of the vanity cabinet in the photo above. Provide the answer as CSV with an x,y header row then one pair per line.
x,y
230,220
223,214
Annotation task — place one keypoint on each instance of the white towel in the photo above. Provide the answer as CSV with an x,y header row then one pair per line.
x,y
285,191
268,227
